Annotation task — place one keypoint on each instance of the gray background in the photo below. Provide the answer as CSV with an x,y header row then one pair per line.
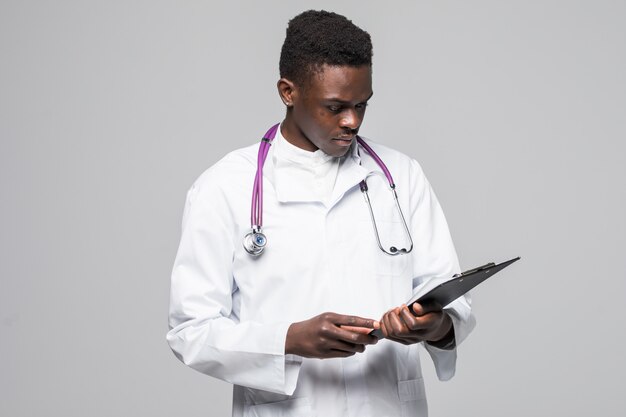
x,y
109,110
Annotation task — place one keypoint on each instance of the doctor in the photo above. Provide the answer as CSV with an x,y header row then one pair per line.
x,y
289,328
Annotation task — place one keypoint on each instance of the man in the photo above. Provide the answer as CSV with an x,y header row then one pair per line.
x,y
322,283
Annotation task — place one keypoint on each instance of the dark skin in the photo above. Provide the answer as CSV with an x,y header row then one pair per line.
x,y
326,113
426,324
325,336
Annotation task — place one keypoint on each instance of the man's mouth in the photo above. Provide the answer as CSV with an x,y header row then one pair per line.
x,y
344,141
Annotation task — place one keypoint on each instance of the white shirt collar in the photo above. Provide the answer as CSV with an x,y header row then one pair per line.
x,y
286,150
291,170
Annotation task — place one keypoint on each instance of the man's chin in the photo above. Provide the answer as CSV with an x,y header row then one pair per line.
x,y
338,147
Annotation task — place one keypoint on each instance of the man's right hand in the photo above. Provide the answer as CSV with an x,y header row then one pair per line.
x,y
324,337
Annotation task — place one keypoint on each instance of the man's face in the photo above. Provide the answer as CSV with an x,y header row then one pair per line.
x,y
327,113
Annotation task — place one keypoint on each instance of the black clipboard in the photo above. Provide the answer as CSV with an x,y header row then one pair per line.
x,y
448,291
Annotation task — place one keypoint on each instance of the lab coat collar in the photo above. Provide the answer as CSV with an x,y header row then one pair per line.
x,y
350,174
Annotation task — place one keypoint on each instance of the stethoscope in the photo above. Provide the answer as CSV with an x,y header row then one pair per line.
x,y
255,241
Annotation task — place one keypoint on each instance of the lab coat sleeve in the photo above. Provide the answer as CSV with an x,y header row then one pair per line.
x,y
205,333
434,256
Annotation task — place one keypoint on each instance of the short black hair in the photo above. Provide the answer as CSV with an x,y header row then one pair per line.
x,y
315,38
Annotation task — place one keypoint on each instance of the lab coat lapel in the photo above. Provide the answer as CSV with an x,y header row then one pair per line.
x,y
350,174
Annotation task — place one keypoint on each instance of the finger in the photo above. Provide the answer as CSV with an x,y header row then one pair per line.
x,y
428,321
418,309
397,325
333,353
421,322
392,326
386,323
360,338
356,321
362,330
409,319
383,328
346,347
425,308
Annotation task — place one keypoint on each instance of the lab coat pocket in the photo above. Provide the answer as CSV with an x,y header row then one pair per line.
x,y
291,407
412,397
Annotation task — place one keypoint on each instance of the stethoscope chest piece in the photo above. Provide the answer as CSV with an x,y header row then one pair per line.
x,y
254,242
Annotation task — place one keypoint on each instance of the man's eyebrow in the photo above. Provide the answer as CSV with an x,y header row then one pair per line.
x,y
338,100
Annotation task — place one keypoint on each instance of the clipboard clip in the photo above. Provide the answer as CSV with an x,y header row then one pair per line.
x,y
471,271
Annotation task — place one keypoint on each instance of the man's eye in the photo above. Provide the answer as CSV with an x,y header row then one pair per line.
x,y
334,109
361,106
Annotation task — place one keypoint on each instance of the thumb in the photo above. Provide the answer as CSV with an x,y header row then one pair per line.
x,y
425,308
418,309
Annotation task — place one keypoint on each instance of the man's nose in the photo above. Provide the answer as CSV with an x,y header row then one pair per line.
x,y
350,119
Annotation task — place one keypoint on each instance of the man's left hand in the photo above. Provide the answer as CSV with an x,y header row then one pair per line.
x,y
428,324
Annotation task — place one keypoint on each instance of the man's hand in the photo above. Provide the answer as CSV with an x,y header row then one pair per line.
x,y
429,323
325,336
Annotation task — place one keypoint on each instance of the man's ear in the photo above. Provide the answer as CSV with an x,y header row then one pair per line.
x,y
287,91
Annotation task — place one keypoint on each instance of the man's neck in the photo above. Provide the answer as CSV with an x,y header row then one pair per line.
x,y
294,135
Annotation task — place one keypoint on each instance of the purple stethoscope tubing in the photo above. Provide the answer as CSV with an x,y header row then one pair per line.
x,y
378,161
256,215
255,241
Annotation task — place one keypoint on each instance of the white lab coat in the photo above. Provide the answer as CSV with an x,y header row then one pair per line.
x,y
229,311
